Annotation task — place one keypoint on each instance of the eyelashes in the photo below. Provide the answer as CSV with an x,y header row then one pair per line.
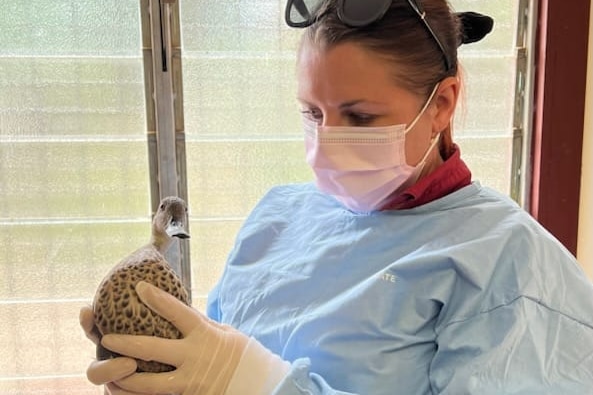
x,y
352,118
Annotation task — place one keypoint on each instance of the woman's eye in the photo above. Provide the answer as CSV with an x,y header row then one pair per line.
x,y
312,114
358,119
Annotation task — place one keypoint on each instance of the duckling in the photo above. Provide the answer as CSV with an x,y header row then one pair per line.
x,y
117,307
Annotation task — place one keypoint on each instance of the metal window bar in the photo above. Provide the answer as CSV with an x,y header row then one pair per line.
x,y
161,48
522,120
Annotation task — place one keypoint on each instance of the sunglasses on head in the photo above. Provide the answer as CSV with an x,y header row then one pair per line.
x,y
355,13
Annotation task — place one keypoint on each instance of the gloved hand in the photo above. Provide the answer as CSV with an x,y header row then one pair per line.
x,y
105,372
210,359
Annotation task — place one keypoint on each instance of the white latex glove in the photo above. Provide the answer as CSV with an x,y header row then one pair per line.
x,y
105,372
207,358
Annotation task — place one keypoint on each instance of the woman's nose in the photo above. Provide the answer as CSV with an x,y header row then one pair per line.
x,y
332,119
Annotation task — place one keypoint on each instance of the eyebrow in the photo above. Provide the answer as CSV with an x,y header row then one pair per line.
x,y
353,103
348,104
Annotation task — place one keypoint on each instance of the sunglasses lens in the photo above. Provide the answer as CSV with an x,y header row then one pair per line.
x,y
363,12
302,12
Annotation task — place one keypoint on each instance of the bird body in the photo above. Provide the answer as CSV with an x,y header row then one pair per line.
x,y
117,307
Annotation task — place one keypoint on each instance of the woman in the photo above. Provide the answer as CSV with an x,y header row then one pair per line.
x,y
393,273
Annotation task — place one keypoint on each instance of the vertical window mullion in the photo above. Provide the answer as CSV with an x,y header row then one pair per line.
x,y
520,166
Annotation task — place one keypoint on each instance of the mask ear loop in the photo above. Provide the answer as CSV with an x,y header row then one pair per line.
x,y
428,101
434,141
433,144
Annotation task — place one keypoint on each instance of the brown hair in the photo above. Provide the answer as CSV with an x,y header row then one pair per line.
x,y
401,38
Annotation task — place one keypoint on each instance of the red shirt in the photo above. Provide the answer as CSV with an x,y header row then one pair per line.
x,y
452,175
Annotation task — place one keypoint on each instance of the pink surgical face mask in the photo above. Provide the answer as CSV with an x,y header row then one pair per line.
x,y
362,166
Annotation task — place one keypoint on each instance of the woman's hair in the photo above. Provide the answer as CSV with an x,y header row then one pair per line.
x,y
400,37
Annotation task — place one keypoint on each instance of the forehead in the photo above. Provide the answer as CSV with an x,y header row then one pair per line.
x,y
346,71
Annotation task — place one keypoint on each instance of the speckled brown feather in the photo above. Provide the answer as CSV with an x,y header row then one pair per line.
x,y
118,309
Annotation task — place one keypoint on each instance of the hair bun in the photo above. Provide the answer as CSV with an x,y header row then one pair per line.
x,y
474,26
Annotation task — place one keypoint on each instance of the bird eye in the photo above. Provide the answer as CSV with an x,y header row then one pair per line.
x,y
162,206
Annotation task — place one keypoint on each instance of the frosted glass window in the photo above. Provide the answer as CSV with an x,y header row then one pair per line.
x,y
74,194
483,127
244,129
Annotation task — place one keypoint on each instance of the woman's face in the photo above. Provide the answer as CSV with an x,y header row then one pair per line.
x,y
349,86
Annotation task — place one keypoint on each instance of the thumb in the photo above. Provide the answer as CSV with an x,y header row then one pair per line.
x,y
87,322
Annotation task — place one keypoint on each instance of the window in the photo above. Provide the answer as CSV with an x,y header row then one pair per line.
x,y
75,186
74,192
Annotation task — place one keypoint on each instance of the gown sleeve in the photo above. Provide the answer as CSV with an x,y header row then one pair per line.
x,y
300,381
523,347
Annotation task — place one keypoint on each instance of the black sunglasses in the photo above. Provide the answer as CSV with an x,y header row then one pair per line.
x,y
354,13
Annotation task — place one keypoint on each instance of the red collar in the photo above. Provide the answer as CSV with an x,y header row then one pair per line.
x,y
452,175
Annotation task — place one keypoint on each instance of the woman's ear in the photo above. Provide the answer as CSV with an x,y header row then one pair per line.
x,y
445,102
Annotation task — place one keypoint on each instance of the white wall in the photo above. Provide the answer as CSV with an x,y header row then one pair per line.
x,y
585,242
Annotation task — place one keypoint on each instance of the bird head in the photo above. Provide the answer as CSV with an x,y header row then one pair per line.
x,y
170,221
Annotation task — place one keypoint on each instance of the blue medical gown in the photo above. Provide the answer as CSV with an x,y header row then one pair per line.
x,y
463,295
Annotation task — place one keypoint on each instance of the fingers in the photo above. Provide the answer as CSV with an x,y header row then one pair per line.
x,y
147,348
154,383
112,389
103,372
167,306
87,322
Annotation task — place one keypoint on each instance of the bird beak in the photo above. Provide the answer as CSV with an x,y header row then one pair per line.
x,y
176,229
